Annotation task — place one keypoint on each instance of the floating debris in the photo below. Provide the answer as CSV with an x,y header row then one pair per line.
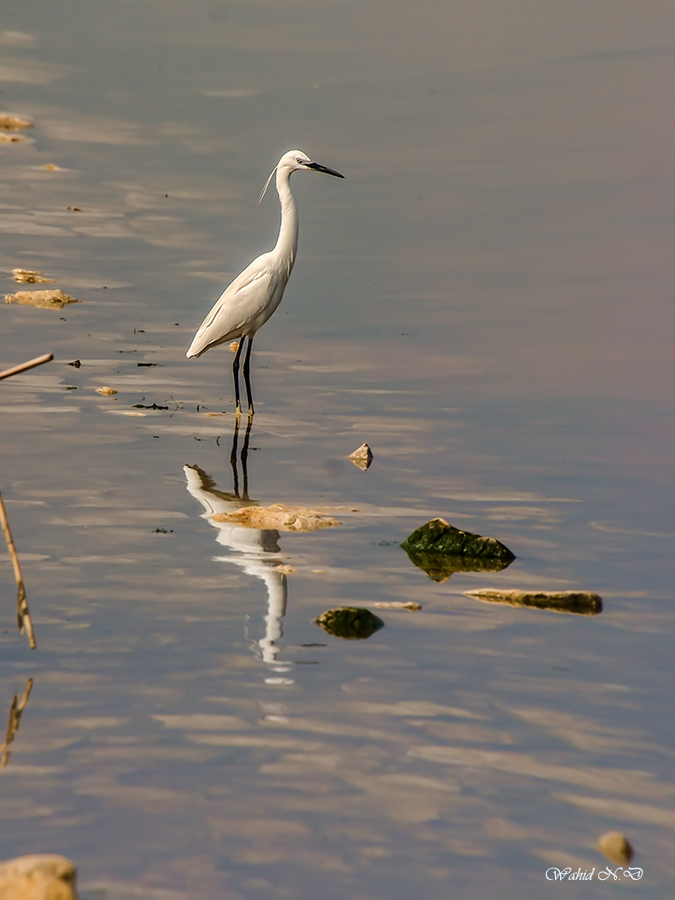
x,y
362,457
349,622
42,876
616,847
440,549
52,299
580,603
397,604
30,276
9,122
106,391
234,346
279,517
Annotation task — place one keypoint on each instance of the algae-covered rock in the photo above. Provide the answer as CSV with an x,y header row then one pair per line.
x,y
580,603
350,622
441,549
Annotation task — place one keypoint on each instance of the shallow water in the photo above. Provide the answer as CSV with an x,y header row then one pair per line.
x,y
486,300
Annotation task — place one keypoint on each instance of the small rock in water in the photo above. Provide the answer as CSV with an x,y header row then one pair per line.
x,y
362,457
106,391
12,123
53,299
349,622
29,276
616,847
581,603
52,167
75,363
42,876
398,604
11,138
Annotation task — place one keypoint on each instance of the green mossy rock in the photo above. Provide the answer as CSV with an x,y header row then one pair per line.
x,y
349,622
440,549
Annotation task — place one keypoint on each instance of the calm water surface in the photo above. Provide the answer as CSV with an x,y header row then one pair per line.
x,y
486,300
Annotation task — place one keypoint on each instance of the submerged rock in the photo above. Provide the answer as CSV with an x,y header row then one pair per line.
x,y
440,549
581,603
352,623
42,876
410,605
52,299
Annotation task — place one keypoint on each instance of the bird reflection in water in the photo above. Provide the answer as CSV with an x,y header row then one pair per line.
x,y
255,550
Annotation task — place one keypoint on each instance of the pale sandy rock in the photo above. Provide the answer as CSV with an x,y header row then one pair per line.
x,y
279,517
362,457
12,123
106,391
29,276
582,603
51,299
616,847
43,876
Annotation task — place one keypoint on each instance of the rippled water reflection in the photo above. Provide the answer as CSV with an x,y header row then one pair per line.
x,y
486,301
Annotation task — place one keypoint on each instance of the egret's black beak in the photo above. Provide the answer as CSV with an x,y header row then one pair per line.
x,y
319,168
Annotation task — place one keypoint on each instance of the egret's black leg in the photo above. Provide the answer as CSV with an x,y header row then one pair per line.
x,y
244,459
235,373
233,457
247,375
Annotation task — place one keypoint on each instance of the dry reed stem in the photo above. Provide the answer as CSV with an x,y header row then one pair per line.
x,y
22,611
14,720
30,364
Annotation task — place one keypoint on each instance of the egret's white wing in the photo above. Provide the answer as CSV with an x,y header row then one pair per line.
x,y
236,308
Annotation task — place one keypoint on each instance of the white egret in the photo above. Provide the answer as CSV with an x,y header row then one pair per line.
x,y
253,296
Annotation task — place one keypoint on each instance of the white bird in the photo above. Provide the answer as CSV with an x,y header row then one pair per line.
x,y
253,296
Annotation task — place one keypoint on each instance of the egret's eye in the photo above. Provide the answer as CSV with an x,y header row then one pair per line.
x,y
300,161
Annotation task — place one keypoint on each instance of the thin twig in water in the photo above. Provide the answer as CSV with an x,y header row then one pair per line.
x,y
22,611
38,361
14,720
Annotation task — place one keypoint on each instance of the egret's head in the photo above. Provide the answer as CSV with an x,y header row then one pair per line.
x,y
294,161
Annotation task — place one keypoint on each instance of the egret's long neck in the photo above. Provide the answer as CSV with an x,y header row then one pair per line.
x,y
287,242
